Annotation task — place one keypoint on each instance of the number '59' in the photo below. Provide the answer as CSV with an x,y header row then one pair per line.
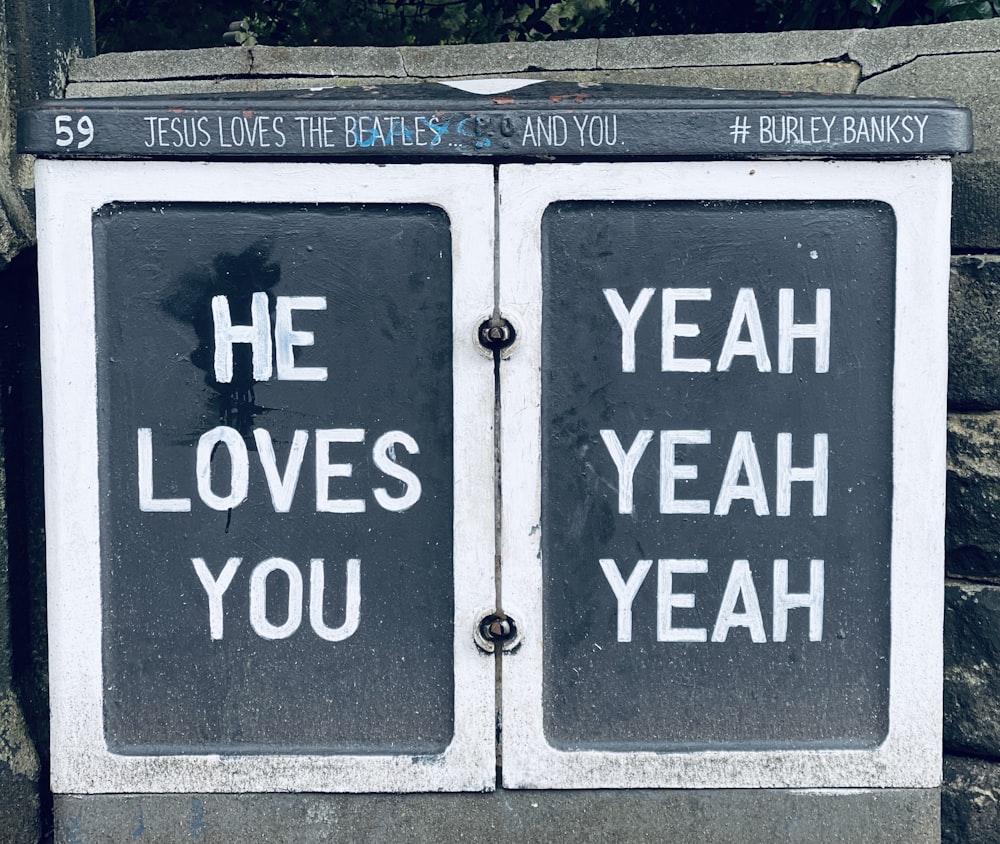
x,y
66,136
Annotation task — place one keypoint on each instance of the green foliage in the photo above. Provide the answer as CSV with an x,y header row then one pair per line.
x,y
166,24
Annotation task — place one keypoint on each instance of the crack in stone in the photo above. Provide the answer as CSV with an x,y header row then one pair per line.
x,y
865,77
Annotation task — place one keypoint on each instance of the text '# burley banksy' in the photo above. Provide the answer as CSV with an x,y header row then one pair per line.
x,y
830,129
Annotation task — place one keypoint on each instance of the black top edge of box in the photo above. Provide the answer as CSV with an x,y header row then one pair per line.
x,y
545,120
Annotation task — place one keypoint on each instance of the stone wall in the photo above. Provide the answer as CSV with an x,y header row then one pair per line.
x,y
958,61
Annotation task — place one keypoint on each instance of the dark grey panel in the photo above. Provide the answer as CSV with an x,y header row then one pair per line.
x,y
736,693
385,339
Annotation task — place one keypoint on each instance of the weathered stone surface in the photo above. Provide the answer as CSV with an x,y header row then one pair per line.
x,y
878,50
975,223
562,55
952,76
38,47
972,535
974,333
162,64
326,61
757,48
833,77
880,816
19,769
19,764
215,86
821,77
875,50
970,802
972,669
465,59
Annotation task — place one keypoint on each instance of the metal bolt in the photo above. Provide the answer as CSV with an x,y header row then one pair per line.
x,y
496,333
497,627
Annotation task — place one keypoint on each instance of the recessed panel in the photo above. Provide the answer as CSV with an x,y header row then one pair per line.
x,y
716,474
275,454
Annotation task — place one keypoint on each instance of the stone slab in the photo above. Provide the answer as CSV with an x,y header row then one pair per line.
x,y
876,50
708,817
972,669
825,78
973,332
972,535
975,223
222,85
465,59
326,61
162,64
970,801
755,48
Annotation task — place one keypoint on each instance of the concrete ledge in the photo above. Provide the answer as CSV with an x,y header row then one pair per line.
x,y
837,77
706,817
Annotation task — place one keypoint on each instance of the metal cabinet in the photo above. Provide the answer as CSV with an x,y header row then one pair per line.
x,y
627,403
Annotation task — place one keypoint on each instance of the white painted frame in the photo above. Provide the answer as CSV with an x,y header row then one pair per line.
x,y
919,193
68,194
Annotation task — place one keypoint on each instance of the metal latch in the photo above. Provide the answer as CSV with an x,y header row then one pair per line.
x,y
497,628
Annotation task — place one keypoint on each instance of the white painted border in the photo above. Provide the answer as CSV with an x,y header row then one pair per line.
x,y
919,193
68,193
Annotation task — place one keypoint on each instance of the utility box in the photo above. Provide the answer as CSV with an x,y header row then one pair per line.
x,y
363,404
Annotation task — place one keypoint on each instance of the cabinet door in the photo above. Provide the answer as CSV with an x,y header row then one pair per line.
x,y
722,463
269,472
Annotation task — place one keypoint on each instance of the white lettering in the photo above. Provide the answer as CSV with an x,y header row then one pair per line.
x,y
258,599
816,474
352,602
667,600
789,331
672,329
257,334
625,592
742,458
215,589
239,467
670,472
784,601
384,457
325,470
626,462
286,338
147,503
739,586
628,319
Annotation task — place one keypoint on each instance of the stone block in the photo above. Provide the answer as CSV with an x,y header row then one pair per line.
x,y
465,59
972,530
975,223
974,333
718,816
162,64
329,62
756,48
972,669
562,55
880,50
19,770
970,801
